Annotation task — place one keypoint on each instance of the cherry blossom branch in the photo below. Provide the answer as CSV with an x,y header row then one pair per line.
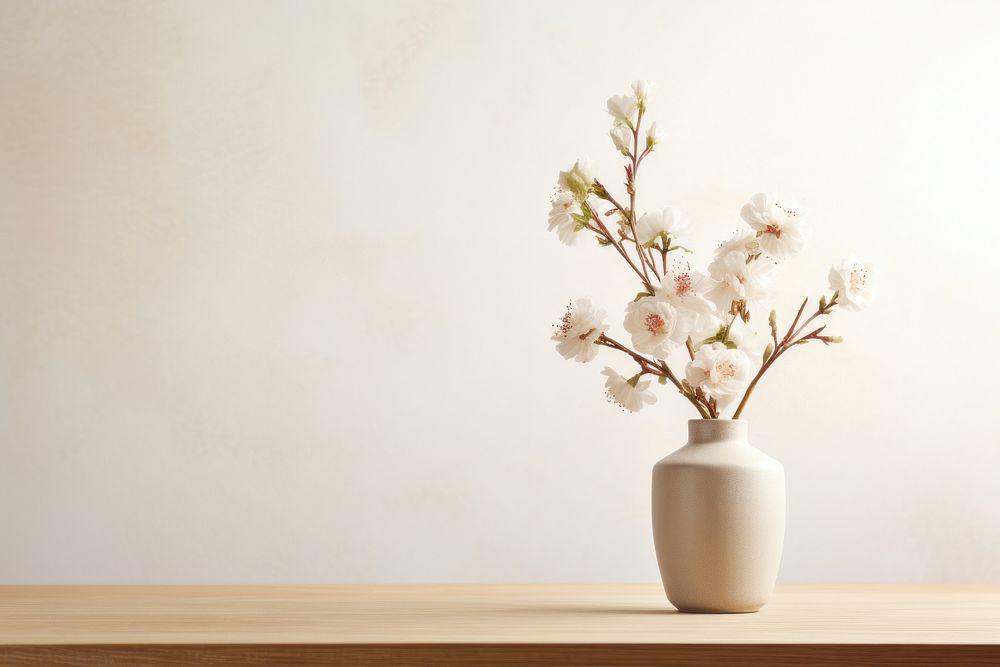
x,y
626,214
621,250
646,257
646,152
603,193
661,369
792,338
824,309
776,233
647,365
798,315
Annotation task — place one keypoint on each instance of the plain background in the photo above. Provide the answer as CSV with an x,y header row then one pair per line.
x,y
276,286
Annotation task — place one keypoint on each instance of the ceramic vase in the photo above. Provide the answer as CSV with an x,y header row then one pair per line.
x,y
718,520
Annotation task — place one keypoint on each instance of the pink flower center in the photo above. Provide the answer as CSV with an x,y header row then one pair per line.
x,y
614,399
774,229
858,278
682,284
565,323
726,369
655,323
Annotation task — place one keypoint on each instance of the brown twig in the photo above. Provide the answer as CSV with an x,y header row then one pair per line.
x,y
659,368
621,251
645,255
791,339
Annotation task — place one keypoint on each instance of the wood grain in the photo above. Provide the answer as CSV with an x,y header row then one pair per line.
x,y
490,624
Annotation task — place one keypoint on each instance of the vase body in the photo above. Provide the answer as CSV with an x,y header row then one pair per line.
x,y
718,520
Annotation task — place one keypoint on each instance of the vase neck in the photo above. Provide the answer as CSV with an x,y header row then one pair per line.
x,y
716,430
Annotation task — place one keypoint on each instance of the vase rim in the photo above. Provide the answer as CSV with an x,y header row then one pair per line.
x,y
714,430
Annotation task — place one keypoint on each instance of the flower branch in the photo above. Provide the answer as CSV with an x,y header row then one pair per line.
x,y
621,250
705,316
661,369
631,175
791,338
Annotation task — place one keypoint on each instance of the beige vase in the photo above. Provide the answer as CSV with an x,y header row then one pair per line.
x,y
718,520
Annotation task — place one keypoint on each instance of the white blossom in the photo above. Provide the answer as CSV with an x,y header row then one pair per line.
x,y
621,136
741,334
854,282
719,371
655,325
686,290
642,88
631,394
745,242
561,217
578,179
706,331
622,107
655,224
577,331
737,279
779,230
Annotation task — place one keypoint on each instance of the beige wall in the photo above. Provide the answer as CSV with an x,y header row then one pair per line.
x,y
275,284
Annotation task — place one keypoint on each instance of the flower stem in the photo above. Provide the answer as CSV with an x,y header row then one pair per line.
x,y
659,368
645,256
725,337
790,339
621,251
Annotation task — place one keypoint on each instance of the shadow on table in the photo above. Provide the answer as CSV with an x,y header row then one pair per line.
x,y
602,611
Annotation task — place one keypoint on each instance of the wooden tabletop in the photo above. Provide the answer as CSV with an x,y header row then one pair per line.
x,y
490,624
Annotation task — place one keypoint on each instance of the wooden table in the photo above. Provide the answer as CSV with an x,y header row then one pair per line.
x,y
465,625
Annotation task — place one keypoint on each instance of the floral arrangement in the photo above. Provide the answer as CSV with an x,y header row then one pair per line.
x,y
680,311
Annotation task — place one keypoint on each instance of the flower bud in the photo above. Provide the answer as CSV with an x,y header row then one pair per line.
x,y
651,138
642,88
621,136
578,179
622,108
600,191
